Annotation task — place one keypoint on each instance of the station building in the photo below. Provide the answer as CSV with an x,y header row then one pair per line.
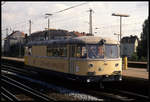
x,y
129,45
13,43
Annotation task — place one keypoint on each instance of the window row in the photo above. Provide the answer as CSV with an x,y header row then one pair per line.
x,y
81,51
57,52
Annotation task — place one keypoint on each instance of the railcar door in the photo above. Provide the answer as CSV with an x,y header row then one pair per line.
x,y
71,59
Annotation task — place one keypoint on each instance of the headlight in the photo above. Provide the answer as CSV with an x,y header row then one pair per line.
x,y
100,69
90,65
116,64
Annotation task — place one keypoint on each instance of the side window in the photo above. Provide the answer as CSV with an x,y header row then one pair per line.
x,y
78,51
26,51
84,52
101,51
63,52
72,51
49,51
81,52
30,51
57,51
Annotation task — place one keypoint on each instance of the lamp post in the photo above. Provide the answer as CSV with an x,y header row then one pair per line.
x,y
48,24
118,36
120,15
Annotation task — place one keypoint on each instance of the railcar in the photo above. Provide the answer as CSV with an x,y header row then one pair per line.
x,y
86,58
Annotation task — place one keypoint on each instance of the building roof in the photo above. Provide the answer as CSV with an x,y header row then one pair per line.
x,y
129,39
57,32
14,32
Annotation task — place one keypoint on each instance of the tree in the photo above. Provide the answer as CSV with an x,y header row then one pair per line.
x,y
142,47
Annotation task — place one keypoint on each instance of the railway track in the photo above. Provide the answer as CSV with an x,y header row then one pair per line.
x,y
120,95
20,70
35,95
60,89
7,95
111,94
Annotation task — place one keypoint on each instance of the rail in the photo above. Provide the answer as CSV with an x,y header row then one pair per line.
x,y
24,88
8,95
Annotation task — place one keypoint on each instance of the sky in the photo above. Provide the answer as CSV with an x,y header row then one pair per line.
x,y
16,16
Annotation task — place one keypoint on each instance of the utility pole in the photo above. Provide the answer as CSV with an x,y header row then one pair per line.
x,y
48,24
48,14
19,47
6,32
29,27
48,29
90,22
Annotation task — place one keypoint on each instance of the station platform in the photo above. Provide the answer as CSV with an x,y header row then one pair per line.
x,y
136,73
137,62
130,72
14,58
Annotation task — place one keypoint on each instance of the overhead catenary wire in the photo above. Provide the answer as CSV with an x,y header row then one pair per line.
x,y
17,25
69,8
60,20
39,15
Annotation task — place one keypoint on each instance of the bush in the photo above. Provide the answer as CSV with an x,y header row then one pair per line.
x,y
143,59
134,57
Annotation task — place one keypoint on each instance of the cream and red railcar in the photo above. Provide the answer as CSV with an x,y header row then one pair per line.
x,y
86,58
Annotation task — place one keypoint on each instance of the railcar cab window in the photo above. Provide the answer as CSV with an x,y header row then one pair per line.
x,y
111,51
26,51
95,51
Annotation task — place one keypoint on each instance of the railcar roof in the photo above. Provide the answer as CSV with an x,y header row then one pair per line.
x,y
77,40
